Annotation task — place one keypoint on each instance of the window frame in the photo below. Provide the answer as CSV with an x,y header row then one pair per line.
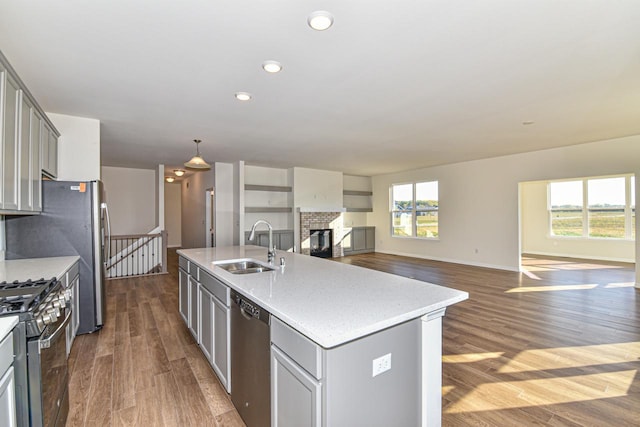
x,y
629,209
414,210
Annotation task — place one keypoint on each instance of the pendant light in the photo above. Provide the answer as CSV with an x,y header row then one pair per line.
x,y
196,161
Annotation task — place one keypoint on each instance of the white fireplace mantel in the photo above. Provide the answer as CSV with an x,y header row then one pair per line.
x,y
329,209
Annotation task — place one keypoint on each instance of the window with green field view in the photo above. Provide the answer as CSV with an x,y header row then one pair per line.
x,y
593,207
414,210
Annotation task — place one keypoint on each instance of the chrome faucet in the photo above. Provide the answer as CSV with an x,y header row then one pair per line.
x,y
271,250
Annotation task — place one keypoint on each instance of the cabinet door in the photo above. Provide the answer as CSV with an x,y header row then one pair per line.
x,y
370,238
221,359
286,240
10,144
193,307
358,237
8,399
184,295
296,398
49,150
206,322
53,154
24,156
36,162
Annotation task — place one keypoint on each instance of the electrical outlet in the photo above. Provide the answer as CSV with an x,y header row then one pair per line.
x,y
381,364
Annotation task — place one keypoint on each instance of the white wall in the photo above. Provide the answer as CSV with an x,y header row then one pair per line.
x,y
259,175
131,197
194,189
78,147
479,207
173,213
536,238
314,188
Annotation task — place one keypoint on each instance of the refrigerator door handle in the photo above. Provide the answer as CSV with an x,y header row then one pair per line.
x,y
107,246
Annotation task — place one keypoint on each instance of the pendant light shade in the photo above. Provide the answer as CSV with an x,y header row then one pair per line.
x,y
196,161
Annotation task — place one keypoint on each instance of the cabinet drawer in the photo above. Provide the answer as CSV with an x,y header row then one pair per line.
x,y
6,352
183,263
216,287
305,352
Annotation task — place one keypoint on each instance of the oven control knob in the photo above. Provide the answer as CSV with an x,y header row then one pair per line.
x,y
47,318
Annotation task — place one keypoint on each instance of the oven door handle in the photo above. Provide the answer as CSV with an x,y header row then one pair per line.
x,y
47,342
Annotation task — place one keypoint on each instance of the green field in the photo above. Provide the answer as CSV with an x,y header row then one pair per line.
x,y
609,224
427,226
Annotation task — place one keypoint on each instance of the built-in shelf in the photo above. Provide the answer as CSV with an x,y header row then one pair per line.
x,y
267,209
359,209
276,188
356,193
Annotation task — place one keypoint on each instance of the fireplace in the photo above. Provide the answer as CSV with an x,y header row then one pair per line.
x,y
321,242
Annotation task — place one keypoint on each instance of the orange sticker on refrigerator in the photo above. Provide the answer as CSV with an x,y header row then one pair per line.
x,y
83,187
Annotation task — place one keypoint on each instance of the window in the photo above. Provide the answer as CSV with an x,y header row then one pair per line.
x,y
593,207
414,210
566,208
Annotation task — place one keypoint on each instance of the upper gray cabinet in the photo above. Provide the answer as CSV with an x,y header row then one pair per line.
x,y
10,152
49,151
28,145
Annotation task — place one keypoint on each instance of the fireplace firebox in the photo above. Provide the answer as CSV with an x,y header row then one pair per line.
x,y
321,243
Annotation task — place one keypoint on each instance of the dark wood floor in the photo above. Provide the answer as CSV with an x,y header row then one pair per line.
x,y
558,345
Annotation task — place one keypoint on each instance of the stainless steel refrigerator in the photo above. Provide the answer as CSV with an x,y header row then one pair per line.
x,y
74,221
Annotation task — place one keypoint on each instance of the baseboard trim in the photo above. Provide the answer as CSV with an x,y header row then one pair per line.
x,y
452,261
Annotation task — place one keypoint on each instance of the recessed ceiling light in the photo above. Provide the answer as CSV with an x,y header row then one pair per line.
x,y
243,96
272,66
320,20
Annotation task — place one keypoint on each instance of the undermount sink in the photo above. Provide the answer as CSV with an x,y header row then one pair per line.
x,y
243,266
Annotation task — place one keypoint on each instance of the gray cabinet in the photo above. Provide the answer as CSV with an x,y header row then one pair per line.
x,y
183,283
10,152
24,130
205,307
29,184
282,239
221,357
296,398
310,384
193,307
36,160
360,240
206,322
49,149
7,383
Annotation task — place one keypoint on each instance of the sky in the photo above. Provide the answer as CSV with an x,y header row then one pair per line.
x,y
600,191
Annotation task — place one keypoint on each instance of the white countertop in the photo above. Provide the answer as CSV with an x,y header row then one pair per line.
x,y
7,323
35,268
329,302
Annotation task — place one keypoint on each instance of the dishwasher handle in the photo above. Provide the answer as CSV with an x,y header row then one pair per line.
x,y
250,310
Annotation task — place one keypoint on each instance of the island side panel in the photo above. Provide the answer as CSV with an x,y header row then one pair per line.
x,y
353,396
431,342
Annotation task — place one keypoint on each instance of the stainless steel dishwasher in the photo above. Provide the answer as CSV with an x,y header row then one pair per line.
x,y
250,363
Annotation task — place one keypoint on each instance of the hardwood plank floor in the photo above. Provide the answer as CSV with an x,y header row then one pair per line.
x,y
144,368
558,345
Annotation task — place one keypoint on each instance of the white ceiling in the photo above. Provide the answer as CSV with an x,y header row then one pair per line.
x,y
393,85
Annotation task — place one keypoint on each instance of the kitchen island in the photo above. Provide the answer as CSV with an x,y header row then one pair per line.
x,y
349,346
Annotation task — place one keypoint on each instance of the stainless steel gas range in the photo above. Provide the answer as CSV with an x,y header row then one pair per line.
x,y
40,363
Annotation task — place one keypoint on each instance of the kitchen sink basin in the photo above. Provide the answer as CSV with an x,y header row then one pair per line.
x,y
243,266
